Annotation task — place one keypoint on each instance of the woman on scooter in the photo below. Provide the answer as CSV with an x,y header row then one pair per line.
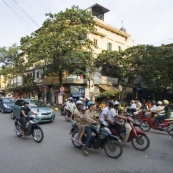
x,y
77,116
166,115
90,120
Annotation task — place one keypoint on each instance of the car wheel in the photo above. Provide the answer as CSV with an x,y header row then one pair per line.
x,y
12,115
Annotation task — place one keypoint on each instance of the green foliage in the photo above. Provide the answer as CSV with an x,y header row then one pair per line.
x,y
108,93
61,43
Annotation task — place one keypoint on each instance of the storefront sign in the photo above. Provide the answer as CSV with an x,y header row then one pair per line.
x,y
77,90
87,93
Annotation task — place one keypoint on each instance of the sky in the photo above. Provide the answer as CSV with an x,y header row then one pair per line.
x,y
147,21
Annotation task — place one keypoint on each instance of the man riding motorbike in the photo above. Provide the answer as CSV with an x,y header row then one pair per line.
x,y
70,108
113,116
106,110
90,120
24,115
166,115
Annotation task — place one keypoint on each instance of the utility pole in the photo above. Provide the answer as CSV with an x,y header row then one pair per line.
x,y
45,89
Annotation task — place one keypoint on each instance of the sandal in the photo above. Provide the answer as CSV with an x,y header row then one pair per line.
x,y
85,152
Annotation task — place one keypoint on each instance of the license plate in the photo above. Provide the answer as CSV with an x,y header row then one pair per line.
x,y
47,116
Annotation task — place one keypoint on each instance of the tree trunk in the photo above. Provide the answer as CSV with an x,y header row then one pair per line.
x,y
60,78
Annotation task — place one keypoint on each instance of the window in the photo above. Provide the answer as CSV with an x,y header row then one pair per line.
x,y
95,42
38,74
109,46
18,102
119,48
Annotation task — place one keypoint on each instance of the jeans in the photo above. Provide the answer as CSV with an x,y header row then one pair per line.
x,y
23,122
158,118
117,127
89,131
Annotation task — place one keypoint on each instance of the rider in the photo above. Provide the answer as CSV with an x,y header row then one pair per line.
x,y
132,107
106,110
90,120
112,116
166,115
24,115
70,107
77,116
153,108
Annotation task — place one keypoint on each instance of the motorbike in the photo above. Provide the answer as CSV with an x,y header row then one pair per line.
x,y
129,133
148,122
31,128
110,143
62,110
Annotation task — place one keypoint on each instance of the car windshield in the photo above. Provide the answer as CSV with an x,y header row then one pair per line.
x,y
8,100
36,103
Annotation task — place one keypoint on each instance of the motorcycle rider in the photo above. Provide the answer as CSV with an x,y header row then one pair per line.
x,y
70,108
106,110
77,116
166,115
90,120
132,107
24,115
112,118
153,108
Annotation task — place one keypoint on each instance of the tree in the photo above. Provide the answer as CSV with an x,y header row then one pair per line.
x,y
61,44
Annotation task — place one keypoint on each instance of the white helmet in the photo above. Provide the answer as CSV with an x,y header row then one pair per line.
x,y
159,103
79,102
165,102
132,101
80,98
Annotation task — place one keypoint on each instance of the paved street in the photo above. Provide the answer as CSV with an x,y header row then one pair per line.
x,y
56,154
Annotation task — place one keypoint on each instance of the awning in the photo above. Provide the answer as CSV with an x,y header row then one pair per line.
x,y
108,87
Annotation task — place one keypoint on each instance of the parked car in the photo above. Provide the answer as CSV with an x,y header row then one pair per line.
x,y
6,104
44,113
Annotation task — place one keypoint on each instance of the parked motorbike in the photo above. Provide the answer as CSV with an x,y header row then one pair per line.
x,y
31,128
148,123
110,143
129,133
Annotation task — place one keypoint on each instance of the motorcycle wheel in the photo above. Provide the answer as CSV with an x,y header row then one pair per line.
x,y
113,148
19,129
139,141
74,135
37,134
12,115
145,126
170,130
137,120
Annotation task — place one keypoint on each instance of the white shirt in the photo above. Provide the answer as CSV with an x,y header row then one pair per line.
x,y
112,114
153,108
133,106
71,107
159,108
104,112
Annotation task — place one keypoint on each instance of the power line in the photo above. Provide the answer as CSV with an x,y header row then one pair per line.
x,y
163,41
22,20
127,11
25,13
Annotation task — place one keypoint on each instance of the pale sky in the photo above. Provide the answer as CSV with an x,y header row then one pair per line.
x,y
147,21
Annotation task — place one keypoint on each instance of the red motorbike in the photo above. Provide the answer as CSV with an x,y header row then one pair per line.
x,y
138,138
148,122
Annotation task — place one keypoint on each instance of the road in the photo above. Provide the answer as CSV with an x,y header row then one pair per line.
x,y
56,154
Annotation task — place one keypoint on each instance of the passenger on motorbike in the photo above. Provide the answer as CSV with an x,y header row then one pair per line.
x,y
166,115
132,107
24,115
153,108
77,117
160,109
90,120
70,108
106,110
113,116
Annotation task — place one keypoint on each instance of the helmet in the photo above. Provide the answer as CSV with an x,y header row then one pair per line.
x,y
110,103
88,98
116,104
84,108
79,102
159,103
80,98
132,101
90,103
165,102
65,99
25,102
153,102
